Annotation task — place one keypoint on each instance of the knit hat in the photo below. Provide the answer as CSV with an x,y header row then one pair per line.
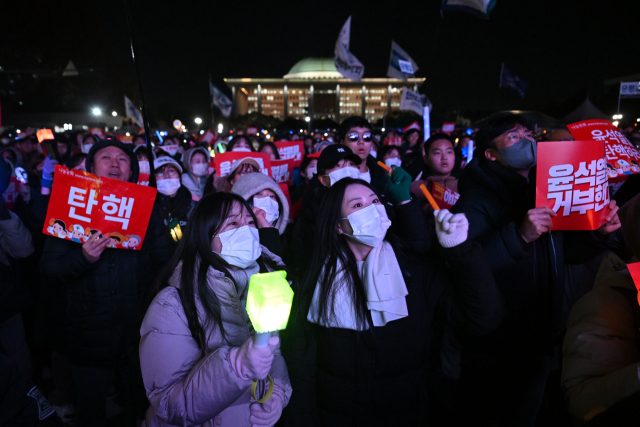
x,y
103,143
253,183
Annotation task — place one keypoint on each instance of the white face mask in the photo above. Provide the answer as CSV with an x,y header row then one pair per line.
x,y
168,187
241,246
268,205
144,167
369,225
86,148
347,172
373,153
393,161
200,169
312,170
242,149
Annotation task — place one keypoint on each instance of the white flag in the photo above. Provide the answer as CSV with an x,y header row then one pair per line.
x,y
395,66
133,112
220,100
411,101
347,64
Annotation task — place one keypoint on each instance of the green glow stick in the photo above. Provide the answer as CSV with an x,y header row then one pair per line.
x,y
269,301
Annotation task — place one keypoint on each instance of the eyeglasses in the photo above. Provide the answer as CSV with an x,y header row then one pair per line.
x,y
167,172
355,136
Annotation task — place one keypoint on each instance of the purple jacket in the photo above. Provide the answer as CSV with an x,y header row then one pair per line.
x,y
185,389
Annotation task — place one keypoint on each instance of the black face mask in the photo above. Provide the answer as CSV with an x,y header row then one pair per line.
x,y
521,155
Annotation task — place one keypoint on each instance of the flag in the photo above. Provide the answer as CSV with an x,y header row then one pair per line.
x,y
411,101
509,79
395,70
347,64
209,136
480,8
220,101
133,112
630,89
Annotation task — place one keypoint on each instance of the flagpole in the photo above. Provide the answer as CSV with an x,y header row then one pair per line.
x,y
619,91
143,104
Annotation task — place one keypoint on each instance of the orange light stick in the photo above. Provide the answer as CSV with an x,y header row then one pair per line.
x,y
385,167
429,197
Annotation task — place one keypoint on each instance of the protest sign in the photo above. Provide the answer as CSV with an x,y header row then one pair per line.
x,y
448,128
634,270
282,170
572,180
143,179
97,132
225,161
293,150
11,194
170,149
397,141
411,101
82,203
445,197
623,159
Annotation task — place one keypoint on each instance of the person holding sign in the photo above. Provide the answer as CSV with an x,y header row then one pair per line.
x,y
507,373
197,351
105,296
365,315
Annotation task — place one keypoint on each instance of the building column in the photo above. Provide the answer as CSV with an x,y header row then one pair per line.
x,y
310,109
286,101
338,103
363,104
259,99
389,100
234,99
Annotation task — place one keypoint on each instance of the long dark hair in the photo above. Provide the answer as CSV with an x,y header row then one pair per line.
x,y
331,250
196,256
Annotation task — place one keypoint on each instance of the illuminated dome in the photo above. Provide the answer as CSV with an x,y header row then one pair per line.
x,y
314,68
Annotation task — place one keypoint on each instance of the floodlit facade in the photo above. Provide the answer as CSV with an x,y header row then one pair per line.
x,y
314,88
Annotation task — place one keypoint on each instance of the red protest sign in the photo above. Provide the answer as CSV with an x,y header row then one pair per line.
x,y
623,159
445,197
170,149
285,189
572,180
225,161
634,270
143,179
82,203
448,128
97,132
293,150
393,141
282,170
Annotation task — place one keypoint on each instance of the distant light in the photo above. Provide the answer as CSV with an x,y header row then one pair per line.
x,y
382,129
469,131
202,131
617,116
198,121
616,123
220,127
637,120
457,139
291,132
96,112
114,113
128,134
326,134
301,130
307,119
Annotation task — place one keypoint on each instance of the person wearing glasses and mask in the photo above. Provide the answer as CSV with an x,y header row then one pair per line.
x,y
504,378
197,349
356,133
173,198
368,311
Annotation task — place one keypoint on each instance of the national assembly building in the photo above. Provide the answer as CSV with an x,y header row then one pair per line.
x,y
314,88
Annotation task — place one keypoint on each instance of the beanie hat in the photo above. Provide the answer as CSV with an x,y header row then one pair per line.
x,y
103,143
253,183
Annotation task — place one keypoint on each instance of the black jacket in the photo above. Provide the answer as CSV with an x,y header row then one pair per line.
x,y
105,300
379,377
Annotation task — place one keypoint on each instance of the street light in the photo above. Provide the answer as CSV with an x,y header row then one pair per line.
x,y
114,113
96,111
220,127
198,121
307,119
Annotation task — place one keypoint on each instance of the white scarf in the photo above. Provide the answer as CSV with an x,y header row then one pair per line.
x,y
384,288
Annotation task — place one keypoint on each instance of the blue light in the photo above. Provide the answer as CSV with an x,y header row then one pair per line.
x,y
469,131
291,132
159,137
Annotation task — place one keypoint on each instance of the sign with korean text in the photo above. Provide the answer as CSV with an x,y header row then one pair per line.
x,y
572,180
445,197
448,128
225,161
82,204
170,149
623,159
293,150
282,170
397,141
630,89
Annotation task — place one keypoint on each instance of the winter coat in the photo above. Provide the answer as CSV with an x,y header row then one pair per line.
x,y
105,300
378,179
253,183
195,184
380,377
176,209
601,350
185,388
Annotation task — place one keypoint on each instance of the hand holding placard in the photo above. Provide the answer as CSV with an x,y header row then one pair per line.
x,y
536,223
93,248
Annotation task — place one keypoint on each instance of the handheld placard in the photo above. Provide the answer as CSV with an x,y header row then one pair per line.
x,y
429,197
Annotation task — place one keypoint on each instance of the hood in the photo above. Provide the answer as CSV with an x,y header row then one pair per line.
x,y
102,143
613,273
253,183
189,154
18,157
494,178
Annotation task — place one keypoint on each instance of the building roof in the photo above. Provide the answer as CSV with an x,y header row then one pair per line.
x,y
314,68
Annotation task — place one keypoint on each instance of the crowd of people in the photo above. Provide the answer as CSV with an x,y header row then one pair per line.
x,y
481,314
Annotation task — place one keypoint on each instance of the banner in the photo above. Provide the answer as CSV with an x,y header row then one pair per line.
x,y
397,141
132,112
282,170
395,70
623,159
143,179
220,101
411,101
630,89
209,136
224,161
445,197
572,180
293,150
347,64
448,128
82,203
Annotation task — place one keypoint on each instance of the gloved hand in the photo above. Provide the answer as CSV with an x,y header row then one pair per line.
x,y
268,413
399,184
250,362
451,229
47,171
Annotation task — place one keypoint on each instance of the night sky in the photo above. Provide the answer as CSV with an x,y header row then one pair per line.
x,y
563,49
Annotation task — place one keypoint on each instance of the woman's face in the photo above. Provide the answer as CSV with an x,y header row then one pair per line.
x,y
266,193
268,150
81,166
62,148
198,158
356,197
413,138
242,143
242,170
238,217
391,154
